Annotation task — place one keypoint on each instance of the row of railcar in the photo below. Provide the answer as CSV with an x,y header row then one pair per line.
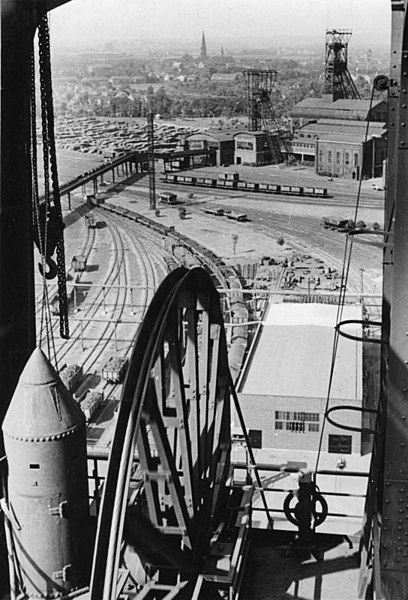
x,y
225,274
250,186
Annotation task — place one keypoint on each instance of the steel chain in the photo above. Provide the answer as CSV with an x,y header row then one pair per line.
x,y
50,158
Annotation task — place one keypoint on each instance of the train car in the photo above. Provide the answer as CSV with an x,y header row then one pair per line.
x,y
54,302
91,220
228,177
296,190
118,210
90,404
218,212
242,217
229,183
252,186
170,178
285,189
241,185
221,183
308,191
115,369
168,198
322,192
78,263
263,187
188,180
71,377
210,182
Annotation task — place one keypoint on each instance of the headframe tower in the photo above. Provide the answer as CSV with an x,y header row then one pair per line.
x,y
338,81
261,114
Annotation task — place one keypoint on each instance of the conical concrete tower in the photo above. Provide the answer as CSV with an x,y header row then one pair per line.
x,y
45,442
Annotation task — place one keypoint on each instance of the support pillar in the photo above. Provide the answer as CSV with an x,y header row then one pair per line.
x,y
17,308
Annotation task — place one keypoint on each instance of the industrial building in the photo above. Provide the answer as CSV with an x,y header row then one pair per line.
x,y
311,109
221,141
342,148
253,148
286,409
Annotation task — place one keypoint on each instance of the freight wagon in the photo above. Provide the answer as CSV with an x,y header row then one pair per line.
x,y
114,369
90,404
232,182
71,377
91,221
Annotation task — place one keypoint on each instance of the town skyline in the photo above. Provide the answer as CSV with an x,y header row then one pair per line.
x,y
82,23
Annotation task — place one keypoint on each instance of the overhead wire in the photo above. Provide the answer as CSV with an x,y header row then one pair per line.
x,y
348,247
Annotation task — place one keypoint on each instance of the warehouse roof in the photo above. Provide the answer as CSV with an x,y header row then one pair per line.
x,y
294,352
337,129
325,106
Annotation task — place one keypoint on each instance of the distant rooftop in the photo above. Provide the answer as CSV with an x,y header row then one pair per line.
x,y
339,128
325,108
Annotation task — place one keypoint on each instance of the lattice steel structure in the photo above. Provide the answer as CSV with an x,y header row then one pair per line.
x,y
261,114
338,80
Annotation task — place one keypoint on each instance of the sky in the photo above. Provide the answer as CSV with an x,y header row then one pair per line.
x,y
85,22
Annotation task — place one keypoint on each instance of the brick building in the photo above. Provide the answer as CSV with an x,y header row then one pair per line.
x,y
342,148
285,409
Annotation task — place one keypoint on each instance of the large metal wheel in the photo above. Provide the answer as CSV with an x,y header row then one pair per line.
x,y
175,417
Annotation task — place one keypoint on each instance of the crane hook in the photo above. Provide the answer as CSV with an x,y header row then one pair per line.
x,y
52,271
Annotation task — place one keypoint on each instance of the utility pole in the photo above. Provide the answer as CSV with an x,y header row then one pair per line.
x,y
150,161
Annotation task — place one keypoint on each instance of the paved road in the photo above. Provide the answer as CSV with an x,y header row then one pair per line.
x,y
298,220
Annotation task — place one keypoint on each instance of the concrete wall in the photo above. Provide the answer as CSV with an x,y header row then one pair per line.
x,y
252,149
259,414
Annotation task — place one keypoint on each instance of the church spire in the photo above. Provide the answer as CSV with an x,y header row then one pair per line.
x,y
203,51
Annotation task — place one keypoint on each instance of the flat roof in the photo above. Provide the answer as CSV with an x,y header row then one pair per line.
x,y
294,354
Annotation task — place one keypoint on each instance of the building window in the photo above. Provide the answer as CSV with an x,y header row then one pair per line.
x,y
347,158
242,145
295,426
297,421
356,160
329,154
340,444
337,158
320,156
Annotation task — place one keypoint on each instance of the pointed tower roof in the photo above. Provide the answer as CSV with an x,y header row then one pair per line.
x,y
203,51
41,407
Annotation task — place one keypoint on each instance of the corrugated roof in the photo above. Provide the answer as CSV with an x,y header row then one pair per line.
x,y
293,355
